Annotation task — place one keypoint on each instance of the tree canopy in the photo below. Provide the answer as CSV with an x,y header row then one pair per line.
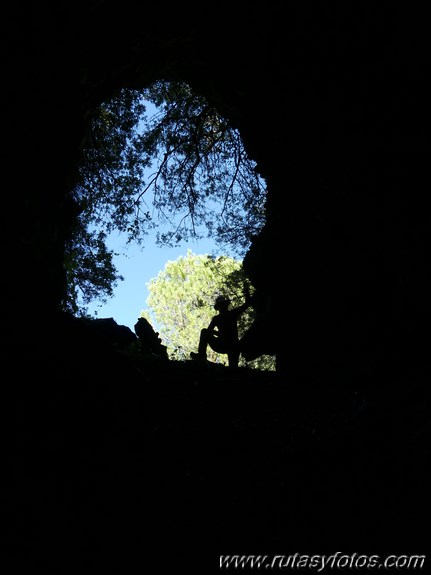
x,y
184,165
181,302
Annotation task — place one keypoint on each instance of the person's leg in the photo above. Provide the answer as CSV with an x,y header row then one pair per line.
x,y
203,343
208,338
202,348
233,358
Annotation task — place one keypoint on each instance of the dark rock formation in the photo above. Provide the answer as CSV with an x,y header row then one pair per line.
x,y
334,111
151,342
115,461
119,336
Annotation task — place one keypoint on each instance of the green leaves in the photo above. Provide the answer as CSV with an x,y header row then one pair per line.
x,y
183,166
181,301
90,272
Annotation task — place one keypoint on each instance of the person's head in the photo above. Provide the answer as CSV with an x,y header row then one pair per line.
x,y
221,303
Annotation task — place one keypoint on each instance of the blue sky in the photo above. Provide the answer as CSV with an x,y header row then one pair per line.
x,y
138,266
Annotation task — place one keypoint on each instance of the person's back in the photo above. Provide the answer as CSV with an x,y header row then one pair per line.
x,y
226,324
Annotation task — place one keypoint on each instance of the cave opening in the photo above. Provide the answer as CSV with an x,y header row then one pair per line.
x,y
161,168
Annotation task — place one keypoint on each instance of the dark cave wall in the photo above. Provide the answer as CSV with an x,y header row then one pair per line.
x,y
114,464
331,103
347,214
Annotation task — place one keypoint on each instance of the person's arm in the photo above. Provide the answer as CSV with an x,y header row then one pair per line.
x,y
247,303
212,324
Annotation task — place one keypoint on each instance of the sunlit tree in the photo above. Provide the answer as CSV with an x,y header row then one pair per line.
x,y
183,166
181,302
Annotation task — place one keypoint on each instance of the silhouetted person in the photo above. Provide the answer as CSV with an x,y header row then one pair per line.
x,y
222,332
150,340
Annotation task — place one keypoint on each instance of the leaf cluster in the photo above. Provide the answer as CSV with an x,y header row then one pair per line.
x,y
183,168
181,302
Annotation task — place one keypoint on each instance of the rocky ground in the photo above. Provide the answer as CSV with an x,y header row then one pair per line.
x,y
124,461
